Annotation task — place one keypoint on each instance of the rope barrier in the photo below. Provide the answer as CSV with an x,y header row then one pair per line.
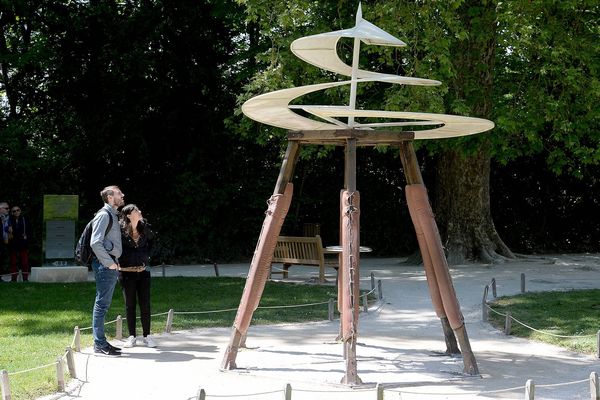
x,y
292,305
332,391
549,385
153,315
33,369
204,312
245,395
551,334
512,389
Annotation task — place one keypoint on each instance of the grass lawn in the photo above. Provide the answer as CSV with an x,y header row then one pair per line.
x,y
572,313
37,319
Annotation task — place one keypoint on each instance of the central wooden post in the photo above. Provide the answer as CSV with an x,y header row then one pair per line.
x,y
350,278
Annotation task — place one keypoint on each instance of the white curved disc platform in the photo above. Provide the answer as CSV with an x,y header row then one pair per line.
x,y
321,51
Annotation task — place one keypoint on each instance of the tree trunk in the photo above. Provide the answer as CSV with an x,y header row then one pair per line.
x,y
462,204
462,196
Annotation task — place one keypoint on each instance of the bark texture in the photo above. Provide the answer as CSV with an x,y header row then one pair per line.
x,y
462,204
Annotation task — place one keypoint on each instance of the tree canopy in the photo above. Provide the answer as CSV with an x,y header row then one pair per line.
x,y
146,95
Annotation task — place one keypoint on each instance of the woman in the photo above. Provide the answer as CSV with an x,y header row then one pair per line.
x,y
137,241
19,233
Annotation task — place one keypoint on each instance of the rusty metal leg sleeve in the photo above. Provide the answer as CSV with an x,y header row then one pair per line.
x,y
434,245
279,204
469,362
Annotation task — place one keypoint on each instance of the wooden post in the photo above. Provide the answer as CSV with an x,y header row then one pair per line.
x,y
365,303
201,394
484,309
60,374
379,389
330,306
71,363
77,341
594,388
598,344
287,393
5,385
494,288
379,290
529,390
507,324
350,241
169,325
216,267
163,270
522,282
119,328
372,281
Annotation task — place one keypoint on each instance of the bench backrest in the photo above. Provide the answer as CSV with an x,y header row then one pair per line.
x,y
299,250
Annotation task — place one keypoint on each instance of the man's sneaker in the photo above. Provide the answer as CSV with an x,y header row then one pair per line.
x,y
149,342
117,349
130,342
106,351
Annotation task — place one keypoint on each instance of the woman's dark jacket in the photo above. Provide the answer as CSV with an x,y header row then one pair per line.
x,y
137,254
21,232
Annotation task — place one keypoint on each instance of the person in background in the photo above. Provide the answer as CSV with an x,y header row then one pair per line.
x,y
107,250
137,239
4,239
19,234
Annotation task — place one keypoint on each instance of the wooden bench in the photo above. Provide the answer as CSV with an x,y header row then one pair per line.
x,y
297,250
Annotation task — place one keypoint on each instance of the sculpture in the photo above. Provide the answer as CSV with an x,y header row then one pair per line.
x,y
273,108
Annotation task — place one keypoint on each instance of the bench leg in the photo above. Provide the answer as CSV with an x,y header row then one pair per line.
x,y
286,267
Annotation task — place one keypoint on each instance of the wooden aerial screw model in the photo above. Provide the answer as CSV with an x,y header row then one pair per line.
x,y
337,125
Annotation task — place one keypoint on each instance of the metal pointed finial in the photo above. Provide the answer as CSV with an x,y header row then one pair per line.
x,y
358,13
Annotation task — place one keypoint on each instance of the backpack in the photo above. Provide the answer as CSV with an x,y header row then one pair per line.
x,y
83,250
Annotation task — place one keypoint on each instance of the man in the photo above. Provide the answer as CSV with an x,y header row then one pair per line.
x,y
107,250
4,237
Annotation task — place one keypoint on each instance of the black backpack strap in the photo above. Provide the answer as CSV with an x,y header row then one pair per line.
x,y
110,222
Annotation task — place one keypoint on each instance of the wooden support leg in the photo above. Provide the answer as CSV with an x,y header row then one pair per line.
x,y
413,176
263,255
426,224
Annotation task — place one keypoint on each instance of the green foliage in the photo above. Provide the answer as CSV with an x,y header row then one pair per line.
x,y
548,83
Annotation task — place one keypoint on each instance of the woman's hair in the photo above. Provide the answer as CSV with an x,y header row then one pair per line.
x,y
124,217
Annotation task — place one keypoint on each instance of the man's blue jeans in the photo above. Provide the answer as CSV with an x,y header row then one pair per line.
x,y
106,279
